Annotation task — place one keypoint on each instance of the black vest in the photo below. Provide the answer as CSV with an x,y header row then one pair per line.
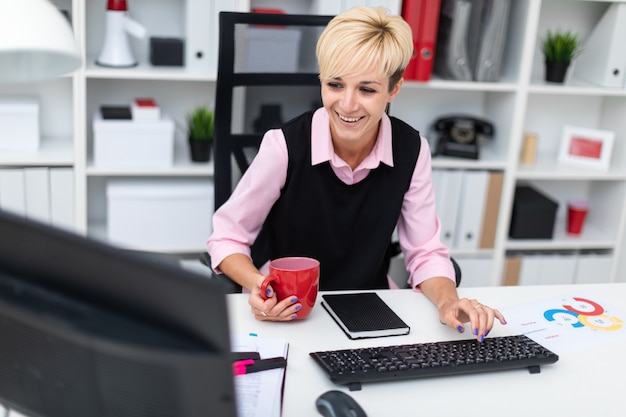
x,y
347,228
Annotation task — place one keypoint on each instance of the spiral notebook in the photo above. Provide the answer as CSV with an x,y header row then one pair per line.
x,y
364,315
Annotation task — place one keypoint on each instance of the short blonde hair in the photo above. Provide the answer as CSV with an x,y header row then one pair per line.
x,y
365,38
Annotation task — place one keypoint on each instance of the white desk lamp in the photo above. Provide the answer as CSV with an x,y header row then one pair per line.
x,y
36,42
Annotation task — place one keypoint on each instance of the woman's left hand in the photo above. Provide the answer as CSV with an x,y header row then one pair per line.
x,y
455,313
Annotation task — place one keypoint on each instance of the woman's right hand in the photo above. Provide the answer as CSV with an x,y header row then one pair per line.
x,y
266,307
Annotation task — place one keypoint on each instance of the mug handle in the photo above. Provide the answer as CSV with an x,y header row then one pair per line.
x,y
267,281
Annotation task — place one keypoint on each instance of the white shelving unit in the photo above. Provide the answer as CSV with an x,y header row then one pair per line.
x,y
176,89
520,102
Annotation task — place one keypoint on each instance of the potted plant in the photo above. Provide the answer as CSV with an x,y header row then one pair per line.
x,y
559,48
200,133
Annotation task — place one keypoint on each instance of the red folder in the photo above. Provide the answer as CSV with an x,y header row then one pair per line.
x,y
423,17
412,14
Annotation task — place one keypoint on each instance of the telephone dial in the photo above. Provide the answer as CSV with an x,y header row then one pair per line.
x,y
461,136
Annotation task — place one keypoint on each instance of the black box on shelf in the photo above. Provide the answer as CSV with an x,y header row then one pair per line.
x,y
166,52
533,215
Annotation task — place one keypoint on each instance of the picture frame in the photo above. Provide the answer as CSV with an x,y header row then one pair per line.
x,y
586,148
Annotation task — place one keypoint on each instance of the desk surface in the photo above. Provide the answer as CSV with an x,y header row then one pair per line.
x,y
583,382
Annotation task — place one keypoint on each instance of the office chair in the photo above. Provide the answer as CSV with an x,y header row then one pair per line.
x,y
230,77
394,250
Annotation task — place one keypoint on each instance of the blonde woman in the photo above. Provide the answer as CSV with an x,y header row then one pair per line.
x,y
334,183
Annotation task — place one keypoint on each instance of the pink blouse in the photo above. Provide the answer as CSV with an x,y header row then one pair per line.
x,y
237,222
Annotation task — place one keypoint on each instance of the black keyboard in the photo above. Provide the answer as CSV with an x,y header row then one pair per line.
x,y
352,367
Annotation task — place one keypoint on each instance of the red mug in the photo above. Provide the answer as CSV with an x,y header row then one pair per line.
x,y
297,276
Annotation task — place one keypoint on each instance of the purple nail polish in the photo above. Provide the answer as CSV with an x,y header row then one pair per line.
x,y
294,299
460,329
486,333
475,332
294,316
298,307
481,338
268,292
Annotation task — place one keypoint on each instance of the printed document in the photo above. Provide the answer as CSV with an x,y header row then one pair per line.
x,y
259,394
568,322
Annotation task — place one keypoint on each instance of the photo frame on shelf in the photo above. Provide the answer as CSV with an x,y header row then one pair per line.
x,y
587,148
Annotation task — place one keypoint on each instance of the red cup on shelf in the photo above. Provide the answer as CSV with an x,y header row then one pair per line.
x,y
577,210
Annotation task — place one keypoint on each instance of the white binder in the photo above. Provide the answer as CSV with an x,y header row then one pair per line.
x,y
603,59
471,209
593,268
202,32
476,271
62,206
12,190
558,269
201,36
450,183
37,186
530,270
547,269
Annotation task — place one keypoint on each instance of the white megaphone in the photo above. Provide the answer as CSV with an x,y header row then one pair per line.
x,y
116,50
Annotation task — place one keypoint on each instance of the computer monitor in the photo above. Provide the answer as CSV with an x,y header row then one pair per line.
x,y
87,329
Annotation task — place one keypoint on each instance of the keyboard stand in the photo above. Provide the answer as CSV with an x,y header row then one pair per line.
x,y
534,369
357,386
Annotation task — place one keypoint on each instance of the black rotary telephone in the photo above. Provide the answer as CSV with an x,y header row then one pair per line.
x,y
460,136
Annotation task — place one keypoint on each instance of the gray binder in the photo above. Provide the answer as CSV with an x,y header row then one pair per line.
x,y
451,56
493,26
471,38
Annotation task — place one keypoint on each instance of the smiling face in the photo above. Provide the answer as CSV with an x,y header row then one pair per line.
x,y
362,54
355,104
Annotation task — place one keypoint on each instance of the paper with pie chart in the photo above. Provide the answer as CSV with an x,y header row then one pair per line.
x,y
566,323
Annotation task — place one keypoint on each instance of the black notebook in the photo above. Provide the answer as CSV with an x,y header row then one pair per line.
x,y
364,315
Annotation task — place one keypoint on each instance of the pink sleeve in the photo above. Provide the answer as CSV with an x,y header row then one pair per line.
x,y
419,227
238,221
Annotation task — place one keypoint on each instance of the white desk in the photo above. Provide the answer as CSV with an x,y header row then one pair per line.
x,y
587,382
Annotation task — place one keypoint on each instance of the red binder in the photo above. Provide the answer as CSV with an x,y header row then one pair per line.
x,y
412,14
423,17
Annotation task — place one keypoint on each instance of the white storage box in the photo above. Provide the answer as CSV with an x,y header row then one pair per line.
x,y
145,109
272,50
160,215
19,124
134,144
